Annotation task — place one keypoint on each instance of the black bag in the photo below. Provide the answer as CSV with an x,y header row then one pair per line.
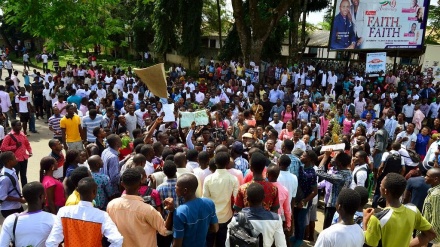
x,y
393,163
147,197
243,233
415,157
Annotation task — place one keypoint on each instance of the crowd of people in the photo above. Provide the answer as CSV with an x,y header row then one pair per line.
x,y
119,175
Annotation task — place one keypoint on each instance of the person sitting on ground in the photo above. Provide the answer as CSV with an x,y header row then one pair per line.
x,y
346,233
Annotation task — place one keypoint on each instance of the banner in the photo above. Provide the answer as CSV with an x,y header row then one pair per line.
x,y
379,24
376,63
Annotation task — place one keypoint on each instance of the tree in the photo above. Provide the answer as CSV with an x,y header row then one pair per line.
x,y
191,16
216,18
165,19
433,29
82,23
263,17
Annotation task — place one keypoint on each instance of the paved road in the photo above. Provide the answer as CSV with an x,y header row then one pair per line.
x,y
40,149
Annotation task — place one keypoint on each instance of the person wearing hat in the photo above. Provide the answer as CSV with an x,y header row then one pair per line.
x,y
237,150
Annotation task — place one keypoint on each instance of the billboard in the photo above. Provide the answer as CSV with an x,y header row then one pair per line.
x,y
376,62
379,24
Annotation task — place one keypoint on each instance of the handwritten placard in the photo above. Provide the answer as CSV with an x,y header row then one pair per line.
x,y
200,117
336,147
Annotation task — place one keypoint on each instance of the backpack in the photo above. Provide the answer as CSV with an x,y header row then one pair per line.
x,y
14,184
415,157
369,182
393,163
243,233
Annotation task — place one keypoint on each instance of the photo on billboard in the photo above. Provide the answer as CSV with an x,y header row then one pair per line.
x,y
378,24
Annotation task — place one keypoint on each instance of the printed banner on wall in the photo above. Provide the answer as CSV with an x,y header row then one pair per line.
x,y
376,62
379,24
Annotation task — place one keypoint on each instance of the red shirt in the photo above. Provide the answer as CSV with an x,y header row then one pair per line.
x,y
271,201
11,145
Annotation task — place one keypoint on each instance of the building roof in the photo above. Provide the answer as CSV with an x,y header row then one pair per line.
x,y
319,38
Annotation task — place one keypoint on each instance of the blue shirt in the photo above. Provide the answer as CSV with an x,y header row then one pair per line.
x,y
74,99
295,163
119,103
168,189
191,221
110,166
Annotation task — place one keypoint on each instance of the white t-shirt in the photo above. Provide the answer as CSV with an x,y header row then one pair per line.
x,y
411,138
278,127
31,229
357,90
131,122
23,103
341,236
44,57
361,176
140,117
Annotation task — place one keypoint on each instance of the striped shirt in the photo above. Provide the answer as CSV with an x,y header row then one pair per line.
x,y
430,210
110,167
54,122
90,124
339,180
241,164
168,189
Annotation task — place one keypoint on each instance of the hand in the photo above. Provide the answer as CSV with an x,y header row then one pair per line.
x,y
193,125
437,153
65,147
30,155
159,120
404,139
18,144
350,46
328,153
367,215
360,41
169,204
22,200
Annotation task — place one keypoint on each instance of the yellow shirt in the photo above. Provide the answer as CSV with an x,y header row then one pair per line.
x,y
137,221
73,199
72,126
220,187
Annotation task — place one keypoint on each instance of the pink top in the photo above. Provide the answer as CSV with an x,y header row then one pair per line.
x,y
324,124
60,199
285,135
347,124
286,116
284,210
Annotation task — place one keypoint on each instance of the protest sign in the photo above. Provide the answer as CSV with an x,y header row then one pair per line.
x,y
200,117
154,78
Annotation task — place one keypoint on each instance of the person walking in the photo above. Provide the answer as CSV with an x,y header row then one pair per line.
x,y
71,131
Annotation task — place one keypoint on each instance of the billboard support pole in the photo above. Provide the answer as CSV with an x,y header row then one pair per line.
x,y
348,60
394,64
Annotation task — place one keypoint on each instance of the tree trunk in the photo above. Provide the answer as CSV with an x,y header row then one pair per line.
x,y
296,13
219,23
5,38
256,49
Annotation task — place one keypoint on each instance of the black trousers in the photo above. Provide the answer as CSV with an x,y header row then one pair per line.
x,y
329,212
218,239
6,213
21,169
164,241
48,108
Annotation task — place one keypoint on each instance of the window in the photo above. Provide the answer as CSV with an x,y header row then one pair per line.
x,y
212,43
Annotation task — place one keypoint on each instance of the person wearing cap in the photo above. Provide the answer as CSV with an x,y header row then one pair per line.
x,y
241,163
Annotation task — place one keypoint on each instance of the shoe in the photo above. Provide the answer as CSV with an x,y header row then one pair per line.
x,y
34,131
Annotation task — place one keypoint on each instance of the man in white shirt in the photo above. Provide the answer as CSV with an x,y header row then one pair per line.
x,y
332,79
44,57
274,95
198,95
346,233
360,174
33,227
287,179
131,120
72,220
358,89
9,67
276,123
6,105
408,110
408,138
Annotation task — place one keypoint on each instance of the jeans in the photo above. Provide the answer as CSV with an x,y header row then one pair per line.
x,y
32,122
376,195
21,169
6,213
218,239
9,118
300,217
329,212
